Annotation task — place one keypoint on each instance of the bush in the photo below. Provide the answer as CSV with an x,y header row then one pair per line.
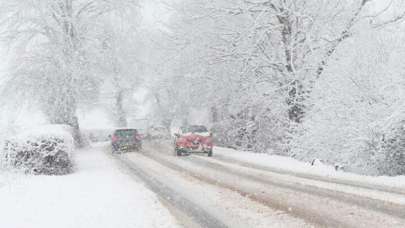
x,y
257,129
44,151
393,150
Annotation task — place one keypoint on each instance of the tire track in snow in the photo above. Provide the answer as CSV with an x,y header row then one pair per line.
x,y
362,201
332,180
350,215
260,197
185,206
369,186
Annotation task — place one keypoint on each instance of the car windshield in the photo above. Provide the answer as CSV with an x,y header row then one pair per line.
x,y
125,132
195,129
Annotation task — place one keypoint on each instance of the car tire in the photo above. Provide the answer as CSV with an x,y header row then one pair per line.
x,y
209,154
177,152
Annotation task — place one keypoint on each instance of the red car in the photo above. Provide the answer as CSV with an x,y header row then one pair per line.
x,y
193,139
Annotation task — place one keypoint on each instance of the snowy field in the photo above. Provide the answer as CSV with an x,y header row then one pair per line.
x,y
97,195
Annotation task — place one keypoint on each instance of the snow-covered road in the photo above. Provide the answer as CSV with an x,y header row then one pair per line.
x,y
204,203
231,195
191,191
97,195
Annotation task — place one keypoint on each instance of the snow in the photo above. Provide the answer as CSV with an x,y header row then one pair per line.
x,y
204,134
274,189
225,204
46,131
295,166
98,195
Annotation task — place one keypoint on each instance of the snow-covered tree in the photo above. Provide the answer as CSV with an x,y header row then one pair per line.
x,y
57,48
357,114
122,48
259,67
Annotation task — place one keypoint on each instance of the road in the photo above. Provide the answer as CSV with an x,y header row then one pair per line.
x,y
216,192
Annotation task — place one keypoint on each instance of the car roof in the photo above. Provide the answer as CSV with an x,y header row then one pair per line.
x,y
194,126
126,129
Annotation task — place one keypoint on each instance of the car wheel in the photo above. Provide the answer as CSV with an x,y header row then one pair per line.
x,y
177,152
209,153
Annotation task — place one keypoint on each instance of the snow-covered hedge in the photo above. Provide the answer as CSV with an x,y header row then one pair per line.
x,y
45,150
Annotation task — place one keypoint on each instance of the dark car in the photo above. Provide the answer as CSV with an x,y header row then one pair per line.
x,y
126,140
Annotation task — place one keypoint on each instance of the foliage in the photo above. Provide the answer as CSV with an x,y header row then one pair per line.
x,y
45,152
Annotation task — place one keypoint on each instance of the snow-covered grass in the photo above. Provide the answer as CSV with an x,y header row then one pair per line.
x,y
97,195
292,165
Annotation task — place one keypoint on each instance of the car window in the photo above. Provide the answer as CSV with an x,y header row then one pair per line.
x,y
196,129
126,132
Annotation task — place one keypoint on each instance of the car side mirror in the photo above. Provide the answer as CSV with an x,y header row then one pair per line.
x,y
211,134
109,136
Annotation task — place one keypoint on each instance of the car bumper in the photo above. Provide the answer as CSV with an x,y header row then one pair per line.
x,y
195,151
118,146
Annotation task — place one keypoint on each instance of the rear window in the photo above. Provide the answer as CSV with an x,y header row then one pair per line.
x,y
126,132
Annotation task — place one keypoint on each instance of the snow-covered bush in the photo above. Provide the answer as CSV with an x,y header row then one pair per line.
x,y
46,150
262,128
393,151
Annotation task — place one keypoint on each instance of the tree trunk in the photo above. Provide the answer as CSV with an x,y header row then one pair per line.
x,y
214,114
61,109
297,93
295,99
121,116
77,136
